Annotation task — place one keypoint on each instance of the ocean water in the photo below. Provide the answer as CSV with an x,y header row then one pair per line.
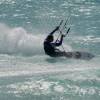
x,y
26,73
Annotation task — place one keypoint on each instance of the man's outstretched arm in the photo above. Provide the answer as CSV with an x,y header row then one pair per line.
x,y
57,28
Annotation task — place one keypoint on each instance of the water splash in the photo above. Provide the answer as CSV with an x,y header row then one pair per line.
x,y
19,41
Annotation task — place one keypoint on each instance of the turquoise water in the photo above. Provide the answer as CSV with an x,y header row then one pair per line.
x,y
26,73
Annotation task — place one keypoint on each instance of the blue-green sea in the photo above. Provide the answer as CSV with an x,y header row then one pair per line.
x,y
26,73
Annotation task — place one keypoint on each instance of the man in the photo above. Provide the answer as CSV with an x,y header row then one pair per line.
x,y
50,46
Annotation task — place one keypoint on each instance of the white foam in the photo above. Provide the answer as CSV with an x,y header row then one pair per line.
x,y
18,40
7,1
59,88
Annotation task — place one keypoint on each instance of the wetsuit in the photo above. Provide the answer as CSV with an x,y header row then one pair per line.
x,y
50,47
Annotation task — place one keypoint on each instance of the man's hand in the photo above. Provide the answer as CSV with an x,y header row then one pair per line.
x,y
63,35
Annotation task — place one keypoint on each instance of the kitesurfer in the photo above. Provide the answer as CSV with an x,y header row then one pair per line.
x,y
50,47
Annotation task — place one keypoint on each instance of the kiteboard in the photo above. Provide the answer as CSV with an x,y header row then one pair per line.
x,y
79,55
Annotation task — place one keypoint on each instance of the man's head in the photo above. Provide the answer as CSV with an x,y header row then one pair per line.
x,y
50,38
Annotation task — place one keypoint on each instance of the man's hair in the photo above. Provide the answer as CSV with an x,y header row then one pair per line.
x,y
50,37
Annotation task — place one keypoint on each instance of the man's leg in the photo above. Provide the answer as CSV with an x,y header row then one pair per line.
x,y
68,54
63,54
73,54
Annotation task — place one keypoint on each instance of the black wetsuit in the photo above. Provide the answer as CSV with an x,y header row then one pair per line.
x,y
50,48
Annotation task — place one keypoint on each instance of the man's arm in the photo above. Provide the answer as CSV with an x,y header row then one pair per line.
x,y
60,42
57,28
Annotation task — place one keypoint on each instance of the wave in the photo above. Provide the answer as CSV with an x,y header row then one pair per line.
x,y
19,41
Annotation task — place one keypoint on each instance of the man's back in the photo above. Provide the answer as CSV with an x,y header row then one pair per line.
x,y
49,48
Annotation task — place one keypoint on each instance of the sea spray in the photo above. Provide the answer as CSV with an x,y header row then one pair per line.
x,y
19,41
